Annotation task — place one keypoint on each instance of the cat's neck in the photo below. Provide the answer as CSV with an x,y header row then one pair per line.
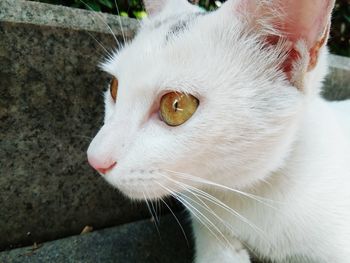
x,y
315,122
310,152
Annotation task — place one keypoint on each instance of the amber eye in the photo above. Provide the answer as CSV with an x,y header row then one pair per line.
x,y
176,108
114,88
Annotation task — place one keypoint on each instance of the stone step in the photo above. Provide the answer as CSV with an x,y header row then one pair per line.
x,y
138,242
50,108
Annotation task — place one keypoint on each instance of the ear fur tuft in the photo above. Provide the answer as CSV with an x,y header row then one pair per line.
x,y
153,7
291,21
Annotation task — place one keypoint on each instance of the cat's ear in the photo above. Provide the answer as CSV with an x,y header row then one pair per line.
x,y
303,24
154,7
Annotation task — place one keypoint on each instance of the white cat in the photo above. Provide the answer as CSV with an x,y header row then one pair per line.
x,y
222,111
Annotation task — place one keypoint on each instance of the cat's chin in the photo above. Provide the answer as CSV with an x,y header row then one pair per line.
x,y
141,189
139,194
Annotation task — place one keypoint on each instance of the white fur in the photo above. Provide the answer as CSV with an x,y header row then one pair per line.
x,y
253,131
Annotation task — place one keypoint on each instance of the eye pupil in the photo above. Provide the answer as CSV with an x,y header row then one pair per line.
x,y
175,105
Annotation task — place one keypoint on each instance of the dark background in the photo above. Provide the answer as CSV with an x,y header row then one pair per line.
x,y
340,35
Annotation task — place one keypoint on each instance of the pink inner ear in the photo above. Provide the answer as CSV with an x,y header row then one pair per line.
x,y
154,6
294,20
305,19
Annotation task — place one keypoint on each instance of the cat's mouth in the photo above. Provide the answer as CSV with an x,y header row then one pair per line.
x,y
143,194
138,184
143,191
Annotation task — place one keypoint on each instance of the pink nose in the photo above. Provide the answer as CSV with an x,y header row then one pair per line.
x,y
102,167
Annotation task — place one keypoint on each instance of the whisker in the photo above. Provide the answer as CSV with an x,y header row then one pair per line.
x,y
153,209
191,210
120,20
177,220
100,44
184,202
102,19
226,224
82,136
149,209
183,197
158,207
221,204
218,202
259,199
154,214
198,217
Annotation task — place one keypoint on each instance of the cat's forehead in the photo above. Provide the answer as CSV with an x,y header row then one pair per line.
x,y
153,43
174,24
174,50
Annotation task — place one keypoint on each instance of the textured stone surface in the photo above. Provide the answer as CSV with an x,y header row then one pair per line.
x,y
50,107
133,243
20,11
337,85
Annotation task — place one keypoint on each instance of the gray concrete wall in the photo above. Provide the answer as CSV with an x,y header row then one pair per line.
x,y
50,108
136,242
337,84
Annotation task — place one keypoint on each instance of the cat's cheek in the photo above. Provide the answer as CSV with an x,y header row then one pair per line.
x,y
139,190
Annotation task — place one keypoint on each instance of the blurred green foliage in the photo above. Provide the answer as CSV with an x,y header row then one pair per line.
x,y
340,35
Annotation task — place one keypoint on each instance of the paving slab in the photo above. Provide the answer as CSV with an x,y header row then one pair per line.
x,y
138,242
51,105
337,83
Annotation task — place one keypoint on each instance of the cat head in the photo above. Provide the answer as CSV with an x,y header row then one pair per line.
x,y
209,97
